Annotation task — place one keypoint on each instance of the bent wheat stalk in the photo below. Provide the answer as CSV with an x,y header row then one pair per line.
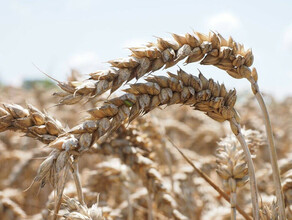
x,y
271,143
181,88
211,49
253,186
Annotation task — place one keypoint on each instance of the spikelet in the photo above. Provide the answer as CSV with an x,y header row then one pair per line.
x,y
231,165
230,158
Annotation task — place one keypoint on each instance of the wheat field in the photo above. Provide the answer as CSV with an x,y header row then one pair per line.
x,y
136,141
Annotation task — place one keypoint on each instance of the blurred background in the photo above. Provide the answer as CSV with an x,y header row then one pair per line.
x,y
58,36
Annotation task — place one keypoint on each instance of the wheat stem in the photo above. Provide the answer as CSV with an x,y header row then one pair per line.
x,y
130,206
76,177
149,204
60,194
273,155
232,186
272,148
251,171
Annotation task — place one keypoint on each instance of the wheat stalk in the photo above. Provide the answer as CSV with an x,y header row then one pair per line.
x,y
208,180
253,79
211,49
205,95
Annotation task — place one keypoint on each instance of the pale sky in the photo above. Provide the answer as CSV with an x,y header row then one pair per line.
x,y
84,34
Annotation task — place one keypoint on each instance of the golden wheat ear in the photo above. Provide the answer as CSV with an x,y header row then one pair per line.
x,y
232,167
211,49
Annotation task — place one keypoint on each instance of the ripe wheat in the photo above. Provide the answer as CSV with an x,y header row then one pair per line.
x,y
146,156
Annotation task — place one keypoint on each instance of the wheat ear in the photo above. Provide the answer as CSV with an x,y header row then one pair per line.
x,y
181,88
211,49
232,168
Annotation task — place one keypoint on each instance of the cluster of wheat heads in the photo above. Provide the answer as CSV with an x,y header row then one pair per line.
x,y
211,49
182,88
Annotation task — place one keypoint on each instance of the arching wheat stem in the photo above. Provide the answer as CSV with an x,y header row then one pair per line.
x,y
181,88
76,177
251,172
273,155
271,144
211,49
